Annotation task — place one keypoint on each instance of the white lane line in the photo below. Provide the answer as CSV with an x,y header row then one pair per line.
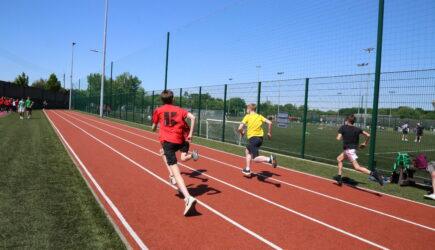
x,y
299,187
100,190
232,154
255,235
247,192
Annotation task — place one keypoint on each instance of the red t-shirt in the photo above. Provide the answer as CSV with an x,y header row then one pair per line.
x,y
173,127
1,101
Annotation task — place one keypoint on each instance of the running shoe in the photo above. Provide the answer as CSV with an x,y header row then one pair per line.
x,y
190,205
246,171
273,161
195,155
430,196
339,180
378,177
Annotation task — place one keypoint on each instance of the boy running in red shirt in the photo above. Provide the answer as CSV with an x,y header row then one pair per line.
x,y
175,135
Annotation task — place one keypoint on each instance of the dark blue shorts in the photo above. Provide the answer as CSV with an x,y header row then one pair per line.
x,y
254,144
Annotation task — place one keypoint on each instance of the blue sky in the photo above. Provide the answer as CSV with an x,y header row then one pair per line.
x,y
214,40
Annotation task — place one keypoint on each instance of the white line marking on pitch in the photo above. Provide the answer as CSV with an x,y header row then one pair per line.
x,y
247,192
255,235
101,191
298,187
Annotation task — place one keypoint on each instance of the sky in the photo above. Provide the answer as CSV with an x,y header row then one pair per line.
x,y
213,41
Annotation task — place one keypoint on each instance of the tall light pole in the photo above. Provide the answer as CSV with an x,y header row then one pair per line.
x,y
361,105
258,67
71,75
104,60
279,88
369,51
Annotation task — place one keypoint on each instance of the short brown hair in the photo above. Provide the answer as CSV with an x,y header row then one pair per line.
x,y
351,119
167,96
251,106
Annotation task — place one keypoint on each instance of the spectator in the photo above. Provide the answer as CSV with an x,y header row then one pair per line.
x,y
44,104
21,108
29,106
419,132
405,131
2,101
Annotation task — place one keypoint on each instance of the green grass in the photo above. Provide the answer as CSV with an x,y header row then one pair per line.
x,y
319,169
44,201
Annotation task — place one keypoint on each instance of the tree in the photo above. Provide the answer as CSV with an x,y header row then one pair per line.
x,y
39,84
53,83
22,80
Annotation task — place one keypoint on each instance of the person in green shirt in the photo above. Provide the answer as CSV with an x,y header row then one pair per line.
x,y
29,105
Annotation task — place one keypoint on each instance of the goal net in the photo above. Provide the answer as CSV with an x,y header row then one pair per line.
x,y
214,130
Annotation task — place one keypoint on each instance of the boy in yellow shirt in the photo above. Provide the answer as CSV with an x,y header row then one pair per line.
x,y
254,133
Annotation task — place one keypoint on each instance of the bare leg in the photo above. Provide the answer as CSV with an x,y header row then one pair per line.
x,y
262,159
359,168
248,159
180,182
340,160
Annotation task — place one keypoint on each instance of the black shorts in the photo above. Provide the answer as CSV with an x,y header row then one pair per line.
x,y
405,131
170,149
254,144
29,110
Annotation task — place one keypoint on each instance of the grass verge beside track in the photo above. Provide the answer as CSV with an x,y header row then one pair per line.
x,y
44,201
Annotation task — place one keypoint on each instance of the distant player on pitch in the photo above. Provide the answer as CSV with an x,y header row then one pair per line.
x,y
349,134
175,135
254,133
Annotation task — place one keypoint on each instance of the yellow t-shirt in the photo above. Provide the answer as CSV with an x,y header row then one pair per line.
x,y
254,123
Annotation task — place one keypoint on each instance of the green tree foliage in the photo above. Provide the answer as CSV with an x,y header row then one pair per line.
x,y
39,84
53,83
22,80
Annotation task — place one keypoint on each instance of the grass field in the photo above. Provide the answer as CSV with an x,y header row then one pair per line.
x,y
319,169
44,201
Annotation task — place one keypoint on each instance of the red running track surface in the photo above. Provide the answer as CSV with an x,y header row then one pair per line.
x,y
278,208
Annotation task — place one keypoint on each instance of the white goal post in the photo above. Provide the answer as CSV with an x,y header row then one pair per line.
x,y
214,126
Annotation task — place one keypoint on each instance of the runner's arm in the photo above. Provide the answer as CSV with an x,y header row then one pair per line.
x,y
269,128
367,136
339,137
192,119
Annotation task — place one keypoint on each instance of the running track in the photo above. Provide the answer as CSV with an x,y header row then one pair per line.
x,y
279,208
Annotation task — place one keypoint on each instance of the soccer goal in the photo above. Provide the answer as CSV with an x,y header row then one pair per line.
x,y
214,130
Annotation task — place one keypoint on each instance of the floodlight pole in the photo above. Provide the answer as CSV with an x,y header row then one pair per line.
x,y
104,60
368,50
71,75
373,127
279,88
167,60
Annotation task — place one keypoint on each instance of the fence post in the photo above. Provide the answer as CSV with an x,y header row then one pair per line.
x,y
304,126
152,106
181,96
373,126
134,104
258,97
199,111
141,108
120,106
225,111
